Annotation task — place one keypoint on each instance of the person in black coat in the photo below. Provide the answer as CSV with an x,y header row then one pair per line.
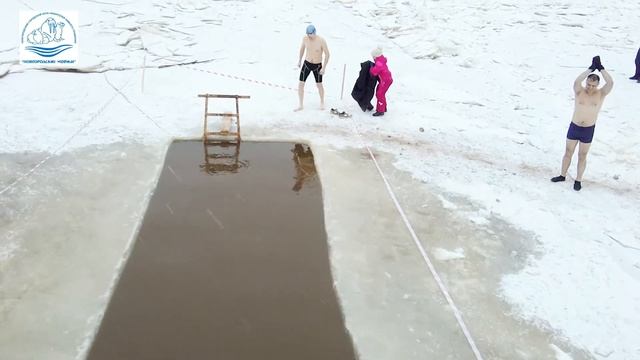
x,y
637,75
365,87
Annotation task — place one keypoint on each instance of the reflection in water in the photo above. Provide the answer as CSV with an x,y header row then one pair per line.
x,y
212,277
305,168
222,157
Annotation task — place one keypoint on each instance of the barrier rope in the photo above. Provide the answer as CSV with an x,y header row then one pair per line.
x,y
266,83
136,106
56,151
423,252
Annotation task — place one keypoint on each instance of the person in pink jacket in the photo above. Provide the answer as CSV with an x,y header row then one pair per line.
x,y
385,80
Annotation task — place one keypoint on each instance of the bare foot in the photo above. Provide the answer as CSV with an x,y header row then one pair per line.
x,y
298,108
321,106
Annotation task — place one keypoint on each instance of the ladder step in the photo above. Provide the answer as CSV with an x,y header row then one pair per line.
x,y
224,133
224,96
221,157
222,114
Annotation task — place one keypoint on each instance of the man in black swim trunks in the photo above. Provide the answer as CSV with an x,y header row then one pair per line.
x,y
588,102
315,47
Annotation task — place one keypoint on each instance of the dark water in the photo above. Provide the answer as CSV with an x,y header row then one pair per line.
x,y
231,262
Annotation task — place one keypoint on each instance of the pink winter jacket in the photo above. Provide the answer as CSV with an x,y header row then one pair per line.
x,y
381,70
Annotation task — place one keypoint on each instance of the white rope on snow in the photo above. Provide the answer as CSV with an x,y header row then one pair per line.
x,y
134,105
55,152
425,256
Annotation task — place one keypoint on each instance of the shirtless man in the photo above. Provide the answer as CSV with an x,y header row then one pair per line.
x,y
315,46
588,102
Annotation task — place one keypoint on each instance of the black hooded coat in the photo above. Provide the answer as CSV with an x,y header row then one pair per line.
x,y
365,86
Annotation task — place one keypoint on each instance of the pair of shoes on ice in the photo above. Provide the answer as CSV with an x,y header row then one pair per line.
x,y
342,114
577,185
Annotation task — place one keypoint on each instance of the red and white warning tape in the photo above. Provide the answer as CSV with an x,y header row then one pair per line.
x,y
265,83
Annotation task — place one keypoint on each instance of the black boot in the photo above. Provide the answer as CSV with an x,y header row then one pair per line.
x,y
558,178
577,185
378,113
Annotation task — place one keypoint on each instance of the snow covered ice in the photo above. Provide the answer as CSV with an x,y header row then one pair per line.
x,y
538,270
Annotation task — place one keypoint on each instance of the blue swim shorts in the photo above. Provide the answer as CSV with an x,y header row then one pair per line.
x,y
581,133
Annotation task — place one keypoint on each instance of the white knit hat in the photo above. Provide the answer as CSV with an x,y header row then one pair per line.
x,y
376,52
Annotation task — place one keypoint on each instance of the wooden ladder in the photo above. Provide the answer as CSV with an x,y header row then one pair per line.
x,y
221,135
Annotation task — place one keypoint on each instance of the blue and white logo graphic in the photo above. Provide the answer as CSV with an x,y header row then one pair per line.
x,y
48,38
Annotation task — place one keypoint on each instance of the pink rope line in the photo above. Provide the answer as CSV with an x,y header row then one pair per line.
x,y
245,79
